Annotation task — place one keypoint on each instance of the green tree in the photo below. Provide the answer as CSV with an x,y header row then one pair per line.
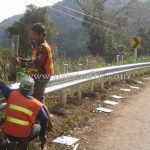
x,y
110,47
4,61
32,15
145,48
103,34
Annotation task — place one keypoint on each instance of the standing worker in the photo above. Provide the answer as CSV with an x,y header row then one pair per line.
x,y
22,110
41,65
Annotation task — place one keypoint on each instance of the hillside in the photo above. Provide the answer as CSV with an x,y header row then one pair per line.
x,y
72,38
4,41
68,41
9,21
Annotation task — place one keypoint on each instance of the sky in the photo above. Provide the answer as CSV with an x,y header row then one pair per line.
x,y
9,8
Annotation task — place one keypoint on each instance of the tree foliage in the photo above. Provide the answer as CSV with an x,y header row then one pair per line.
x,y
32,15
103,35
145,36
4,61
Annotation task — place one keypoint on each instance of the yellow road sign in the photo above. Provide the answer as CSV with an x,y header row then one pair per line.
x,y
136,42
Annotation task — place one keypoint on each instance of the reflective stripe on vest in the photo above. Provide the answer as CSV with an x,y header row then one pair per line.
x,y
21,109
52,66
17,121
50,55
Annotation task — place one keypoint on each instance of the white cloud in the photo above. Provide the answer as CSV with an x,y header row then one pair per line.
x,y
9,8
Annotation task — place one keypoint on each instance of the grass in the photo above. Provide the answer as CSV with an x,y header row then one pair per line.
x,y
75,114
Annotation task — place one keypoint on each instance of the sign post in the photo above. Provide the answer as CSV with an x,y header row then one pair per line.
x,y
136,44
135,54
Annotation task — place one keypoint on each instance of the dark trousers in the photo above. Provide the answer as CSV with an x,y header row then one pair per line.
x,y
25,142
39,89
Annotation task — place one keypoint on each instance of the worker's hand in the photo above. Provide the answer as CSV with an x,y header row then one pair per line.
x,y
16,61
50,127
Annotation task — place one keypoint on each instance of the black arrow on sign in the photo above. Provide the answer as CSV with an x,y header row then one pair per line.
x,y
136,43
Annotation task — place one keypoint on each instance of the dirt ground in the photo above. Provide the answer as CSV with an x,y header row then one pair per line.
x,y
130,129
127,128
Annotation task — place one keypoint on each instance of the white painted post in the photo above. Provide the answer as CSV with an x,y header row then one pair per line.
x,y
122,59
12,75
135,54
92,82
64,91
80,86
118,59
122,62
102,83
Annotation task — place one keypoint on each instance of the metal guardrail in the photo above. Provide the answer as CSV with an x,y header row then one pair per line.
x,y
63,81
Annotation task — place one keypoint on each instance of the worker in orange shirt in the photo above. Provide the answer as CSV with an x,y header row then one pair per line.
x,y
40,67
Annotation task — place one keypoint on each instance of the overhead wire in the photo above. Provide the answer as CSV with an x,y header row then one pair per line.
x,y
88,22
122,33
90,16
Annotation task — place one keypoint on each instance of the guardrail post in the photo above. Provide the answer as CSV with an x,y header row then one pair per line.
x,y
64,91
118,62
92,82
118,59
122,62
122,59
80,86
102,83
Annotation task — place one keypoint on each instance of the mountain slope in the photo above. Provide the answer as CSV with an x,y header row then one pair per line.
x,y
4,41
71,40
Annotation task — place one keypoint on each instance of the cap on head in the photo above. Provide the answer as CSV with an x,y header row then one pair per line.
x,y
27,83
39,28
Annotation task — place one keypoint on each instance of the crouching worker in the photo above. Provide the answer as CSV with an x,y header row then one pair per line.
x,y
22,111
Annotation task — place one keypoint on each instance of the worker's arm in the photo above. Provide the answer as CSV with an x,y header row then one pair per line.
x,y
25,63
37,63
43,118
50,127
6,91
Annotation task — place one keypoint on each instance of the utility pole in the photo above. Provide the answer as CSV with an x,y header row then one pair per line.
x,y
138,25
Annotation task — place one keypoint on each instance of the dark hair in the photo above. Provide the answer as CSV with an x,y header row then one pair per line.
x,y
39,29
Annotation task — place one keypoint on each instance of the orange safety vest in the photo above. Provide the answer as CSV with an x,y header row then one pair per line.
x,y
21,114
49,67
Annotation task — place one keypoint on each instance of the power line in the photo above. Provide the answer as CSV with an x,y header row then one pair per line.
x,y
79,19
104,21
87,22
